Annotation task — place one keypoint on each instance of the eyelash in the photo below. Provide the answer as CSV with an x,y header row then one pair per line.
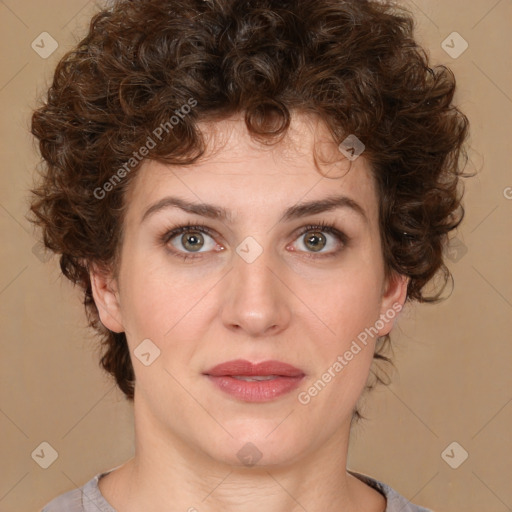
x,y
173,231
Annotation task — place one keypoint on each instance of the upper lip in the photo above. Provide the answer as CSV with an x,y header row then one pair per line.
x,y
244,367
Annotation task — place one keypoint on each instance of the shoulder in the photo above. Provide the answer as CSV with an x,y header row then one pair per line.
x,y
87,498
395,501
69,502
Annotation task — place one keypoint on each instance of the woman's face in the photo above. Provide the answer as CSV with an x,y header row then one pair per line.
x,y
259,285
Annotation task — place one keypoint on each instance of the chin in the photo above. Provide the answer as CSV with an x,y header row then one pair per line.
x,y
257,448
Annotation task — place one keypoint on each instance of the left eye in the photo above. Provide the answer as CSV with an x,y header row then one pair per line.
x,y
315,240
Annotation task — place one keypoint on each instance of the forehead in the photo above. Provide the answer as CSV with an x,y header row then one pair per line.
x,y
244,175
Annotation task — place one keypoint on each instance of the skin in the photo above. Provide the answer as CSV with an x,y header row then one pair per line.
x,y
282,306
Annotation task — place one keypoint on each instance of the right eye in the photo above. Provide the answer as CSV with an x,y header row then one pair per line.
x,y
188,240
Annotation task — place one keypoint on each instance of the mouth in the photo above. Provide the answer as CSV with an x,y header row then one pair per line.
x,y
260,382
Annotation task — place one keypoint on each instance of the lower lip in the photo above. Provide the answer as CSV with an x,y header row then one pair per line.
x,y
256,391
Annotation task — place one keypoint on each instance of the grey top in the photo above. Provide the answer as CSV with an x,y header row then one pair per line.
x,y
88,498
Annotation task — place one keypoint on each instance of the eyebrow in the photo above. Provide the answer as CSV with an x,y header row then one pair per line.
x,y
294,212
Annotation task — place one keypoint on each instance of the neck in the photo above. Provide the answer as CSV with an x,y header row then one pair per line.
x,y
168,469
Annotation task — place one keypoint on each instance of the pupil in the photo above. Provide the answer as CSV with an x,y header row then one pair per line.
x,y
316,240
189,241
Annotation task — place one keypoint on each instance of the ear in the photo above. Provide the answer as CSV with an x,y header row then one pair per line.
x,y
105,292
393,299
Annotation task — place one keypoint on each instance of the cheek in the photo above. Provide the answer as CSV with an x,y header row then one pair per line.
x,y
160,303
349,308
347,301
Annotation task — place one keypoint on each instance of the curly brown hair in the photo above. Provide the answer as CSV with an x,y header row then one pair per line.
x,y
355,64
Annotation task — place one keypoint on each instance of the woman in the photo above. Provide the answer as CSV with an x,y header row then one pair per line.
x,y
247,193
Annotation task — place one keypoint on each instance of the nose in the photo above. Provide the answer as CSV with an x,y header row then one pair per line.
x,y
257,301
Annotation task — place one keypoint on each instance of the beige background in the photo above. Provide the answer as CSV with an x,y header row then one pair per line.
x,y
454,380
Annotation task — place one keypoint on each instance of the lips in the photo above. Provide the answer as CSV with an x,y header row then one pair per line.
x,y
242,367
248,382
